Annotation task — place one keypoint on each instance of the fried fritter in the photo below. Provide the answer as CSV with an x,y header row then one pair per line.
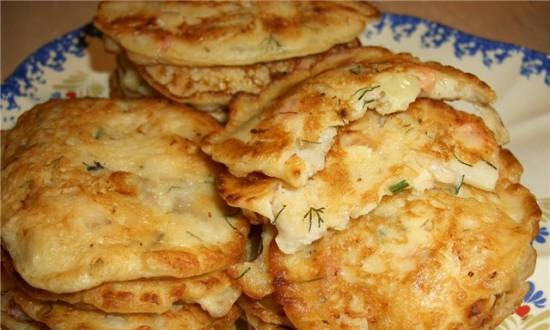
x,y
427,146
97,191
213,292
290,137
229,33
264,314
13,317
209,88
418,261
126,82
60,316
253,277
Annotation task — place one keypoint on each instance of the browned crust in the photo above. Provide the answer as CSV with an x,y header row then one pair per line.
x,y
310,293
63,316
212,40
34,182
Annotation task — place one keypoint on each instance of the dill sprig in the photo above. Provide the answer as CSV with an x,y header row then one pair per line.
x,y
95,166
317,212
459,185
193,235
461,161
260,249
229,223
356,69
243,273
315,279
490,164
399,186
278,214
270,43
98,133
309,141
362,92
173,188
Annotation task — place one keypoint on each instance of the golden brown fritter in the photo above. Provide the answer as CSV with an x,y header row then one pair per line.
x,y
264,314
211,88
98,191
418,261
60,316
429,145
229,33
253,277
289,137
214,292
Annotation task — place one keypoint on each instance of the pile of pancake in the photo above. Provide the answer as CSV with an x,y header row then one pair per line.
x,y
344,191
202,53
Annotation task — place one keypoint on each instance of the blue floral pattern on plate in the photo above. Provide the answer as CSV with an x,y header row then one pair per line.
x,y
493,52
53,55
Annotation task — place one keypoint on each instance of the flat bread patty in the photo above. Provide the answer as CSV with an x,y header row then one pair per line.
x,y
214,86
290,137
59,316
418,261
229,33
429,145
99,191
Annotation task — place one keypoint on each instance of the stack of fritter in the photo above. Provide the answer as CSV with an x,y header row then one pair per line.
x,y
344,194
201,53
112,220
391,209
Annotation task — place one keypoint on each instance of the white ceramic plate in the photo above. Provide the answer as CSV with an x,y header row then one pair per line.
x,y
75,65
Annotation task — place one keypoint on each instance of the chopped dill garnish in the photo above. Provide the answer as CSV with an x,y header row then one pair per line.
x,y
399,186
193,235
459,185
356,69
309,141
159,238
98,133
317,212
174,188
461,161
278,214
313,280
95,166
232,211
493,166
243,273
362,92
270,43
229,223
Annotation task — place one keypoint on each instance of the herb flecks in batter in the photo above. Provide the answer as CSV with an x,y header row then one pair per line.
x,y
229,223
461,161
317,213
243,273
193,235
459,185
362,92
274,221
490,164
95,166
399,186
